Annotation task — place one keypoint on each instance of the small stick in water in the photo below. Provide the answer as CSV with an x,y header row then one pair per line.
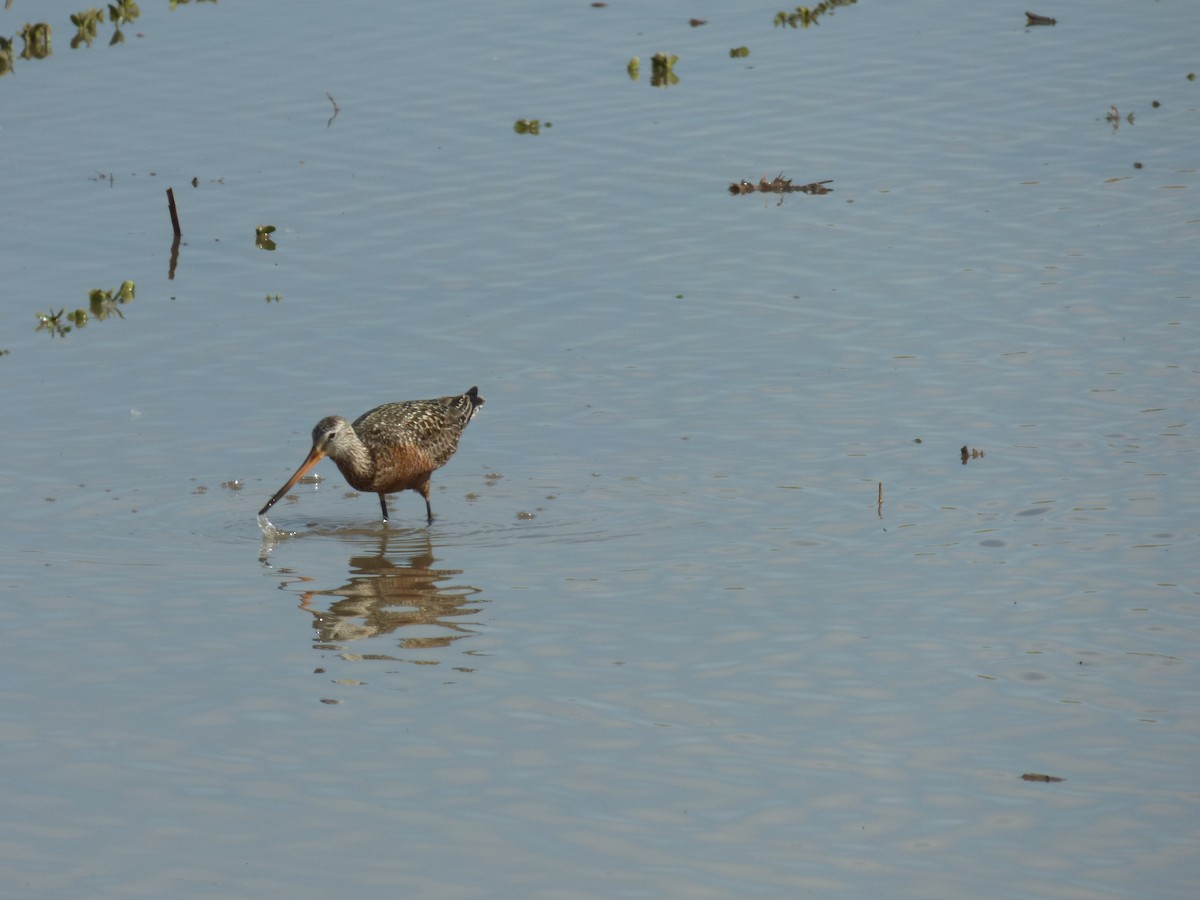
x,y
174,214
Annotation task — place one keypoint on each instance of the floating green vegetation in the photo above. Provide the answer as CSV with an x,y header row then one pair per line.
x,y
123,12
739,52
52,322
86,24
101,303
528,126
175,3
104,303
805,16
262,237
273,298
36,38
663,70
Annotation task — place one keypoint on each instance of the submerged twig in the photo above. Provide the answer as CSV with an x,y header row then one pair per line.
x,y
1035,19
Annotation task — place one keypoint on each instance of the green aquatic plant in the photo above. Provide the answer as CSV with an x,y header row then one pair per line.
x,y
6,56
36,38
86,22
123,12
634,68
739,52
527,126
104,303
52,322
805,16
663,70
101,304
262,237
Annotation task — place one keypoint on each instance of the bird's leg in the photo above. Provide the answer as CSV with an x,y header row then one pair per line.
x,y
423,490
383,505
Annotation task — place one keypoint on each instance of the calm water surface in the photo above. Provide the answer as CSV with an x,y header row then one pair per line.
x,y
712,606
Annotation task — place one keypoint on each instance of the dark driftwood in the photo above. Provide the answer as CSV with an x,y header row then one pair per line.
x,y
779,185
171,209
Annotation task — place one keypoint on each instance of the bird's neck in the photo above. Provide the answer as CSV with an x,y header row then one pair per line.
x,y
352,457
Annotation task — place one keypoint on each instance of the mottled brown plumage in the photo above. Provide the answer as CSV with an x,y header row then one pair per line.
x,y
394,447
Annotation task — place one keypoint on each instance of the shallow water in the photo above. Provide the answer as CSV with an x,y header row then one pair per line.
x,y
711,606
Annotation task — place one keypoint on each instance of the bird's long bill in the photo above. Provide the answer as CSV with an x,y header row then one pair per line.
x,y
314,457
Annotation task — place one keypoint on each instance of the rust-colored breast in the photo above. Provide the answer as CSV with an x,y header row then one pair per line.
x,y
408,441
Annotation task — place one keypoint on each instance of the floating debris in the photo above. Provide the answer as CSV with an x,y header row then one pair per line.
x,y
36,36
805,16
6,55
52,322
967,453
1035,19
662,73
37,40
696,23
174,213
86,23
528,126
779,185
663,70
262,237
1034,776
737,52
123,12
102,304
1113,117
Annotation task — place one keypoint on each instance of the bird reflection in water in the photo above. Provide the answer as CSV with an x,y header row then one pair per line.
x,y
412,598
